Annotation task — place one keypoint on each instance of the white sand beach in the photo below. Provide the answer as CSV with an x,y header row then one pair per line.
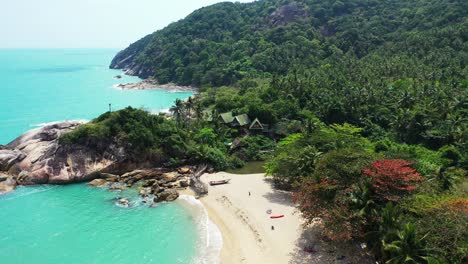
x,y
246,226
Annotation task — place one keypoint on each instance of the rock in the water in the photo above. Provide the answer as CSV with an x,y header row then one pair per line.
x,y
149,183
156,188
7,185
167,196
123,201
117,186
97,182
144,192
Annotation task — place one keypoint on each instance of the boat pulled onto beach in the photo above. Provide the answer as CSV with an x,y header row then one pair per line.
x,y
221,182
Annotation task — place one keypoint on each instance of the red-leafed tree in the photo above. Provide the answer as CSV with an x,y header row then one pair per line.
x,y
328,194
393,179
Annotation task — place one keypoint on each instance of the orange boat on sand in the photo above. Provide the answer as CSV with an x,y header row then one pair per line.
x,y
276,216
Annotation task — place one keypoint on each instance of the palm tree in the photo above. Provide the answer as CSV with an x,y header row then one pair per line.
x,y
189,104
408,248
385,230
362,200
177,110
446,178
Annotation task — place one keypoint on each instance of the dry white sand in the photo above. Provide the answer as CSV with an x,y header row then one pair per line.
x,y
246,226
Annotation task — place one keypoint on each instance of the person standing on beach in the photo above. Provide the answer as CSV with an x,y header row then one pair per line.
x,y
249,193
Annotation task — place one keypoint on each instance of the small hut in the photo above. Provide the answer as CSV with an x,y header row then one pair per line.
x,y
256,125
241,120
226,118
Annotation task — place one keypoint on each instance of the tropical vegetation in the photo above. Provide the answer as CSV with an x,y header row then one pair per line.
x,y
366,103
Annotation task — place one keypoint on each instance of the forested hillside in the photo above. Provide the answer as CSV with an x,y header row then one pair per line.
x,y
226,42
397,66
366,102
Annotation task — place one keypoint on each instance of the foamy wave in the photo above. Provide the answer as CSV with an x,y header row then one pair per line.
x,y
30,191
55,122
211,241
177,91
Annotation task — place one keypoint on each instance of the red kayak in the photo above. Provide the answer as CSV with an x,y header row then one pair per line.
x,y
276,216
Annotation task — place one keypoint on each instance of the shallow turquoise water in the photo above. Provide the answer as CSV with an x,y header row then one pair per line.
x,y
80,224
40,86
75,223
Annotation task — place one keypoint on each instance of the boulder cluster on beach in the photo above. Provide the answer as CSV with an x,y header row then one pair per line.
x,y
161,184
36,157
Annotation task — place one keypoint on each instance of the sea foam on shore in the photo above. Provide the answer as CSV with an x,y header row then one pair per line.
x,y
210,238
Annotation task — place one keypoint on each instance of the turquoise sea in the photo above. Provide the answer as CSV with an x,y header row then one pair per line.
x,y
46,85
76,223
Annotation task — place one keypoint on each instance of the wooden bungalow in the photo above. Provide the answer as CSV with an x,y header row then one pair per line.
x,y
241,120
257,127
226,118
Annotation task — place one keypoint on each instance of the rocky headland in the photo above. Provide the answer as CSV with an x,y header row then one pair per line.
x,y
38,157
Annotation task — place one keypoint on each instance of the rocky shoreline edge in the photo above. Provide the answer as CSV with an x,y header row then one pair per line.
x,y
37,157
151,84
155,185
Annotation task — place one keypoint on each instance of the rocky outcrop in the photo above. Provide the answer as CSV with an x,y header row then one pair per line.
x,y
289,13
37,157
126,60
7,183
8,157
154,185
167,196
97,182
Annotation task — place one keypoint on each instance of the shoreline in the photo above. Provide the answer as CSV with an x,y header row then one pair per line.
x,y
245,225
150,84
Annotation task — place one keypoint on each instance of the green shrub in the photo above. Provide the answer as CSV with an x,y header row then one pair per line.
x,y
235,162
451,154
214,156
253,145
382,145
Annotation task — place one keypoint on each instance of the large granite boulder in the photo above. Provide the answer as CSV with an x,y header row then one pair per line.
x,y
97,182
8,157
167,196
7,185
184,183
37,157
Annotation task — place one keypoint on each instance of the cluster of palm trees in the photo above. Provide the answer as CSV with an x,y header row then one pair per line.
x,y
393,241
183,111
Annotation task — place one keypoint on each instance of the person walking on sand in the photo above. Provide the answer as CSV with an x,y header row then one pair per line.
x,y
249,193
272,228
